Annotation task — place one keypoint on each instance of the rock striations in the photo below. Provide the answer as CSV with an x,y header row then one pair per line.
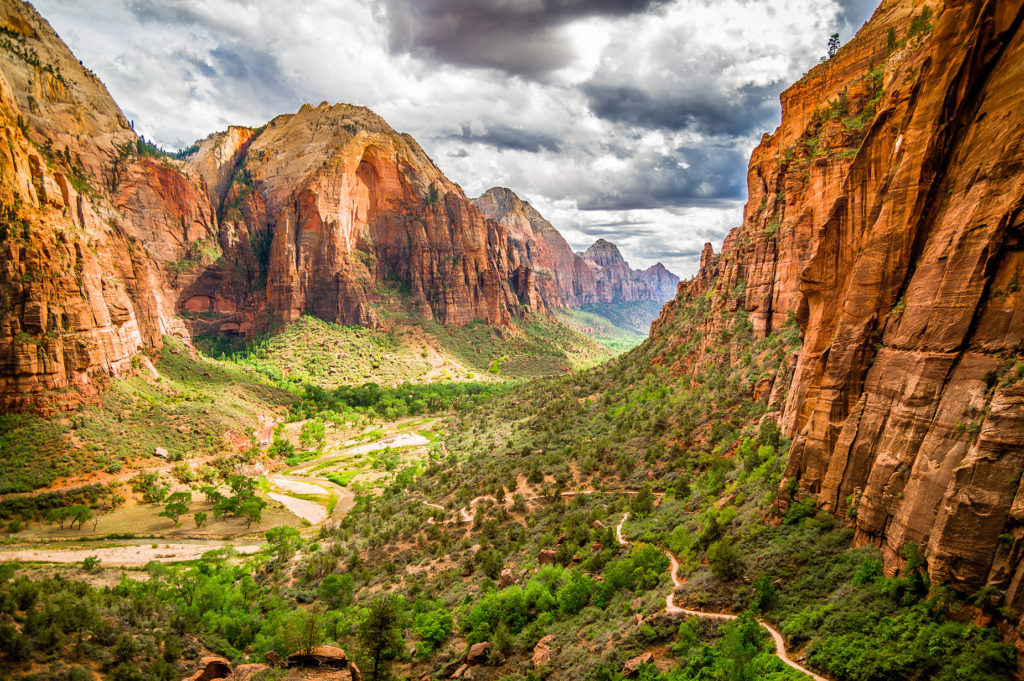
x,y
79,294
885,214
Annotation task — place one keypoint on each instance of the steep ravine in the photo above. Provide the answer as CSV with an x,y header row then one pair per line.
x,y
885,214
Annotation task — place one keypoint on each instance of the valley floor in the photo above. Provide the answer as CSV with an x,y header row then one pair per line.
x,y
602,525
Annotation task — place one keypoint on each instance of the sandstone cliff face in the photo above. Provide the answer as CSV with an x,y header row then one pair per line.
x,y
664,284
599,275
559,274
615,281
111,244
355,206
885,214
79,294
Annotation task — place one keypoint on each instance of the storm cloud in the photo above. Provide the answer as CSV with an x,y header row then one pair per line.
x,y
739,112
630,120
521,38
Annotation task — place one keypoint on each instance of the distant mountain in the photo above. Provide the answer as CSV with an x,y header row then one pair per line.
x,y
597,280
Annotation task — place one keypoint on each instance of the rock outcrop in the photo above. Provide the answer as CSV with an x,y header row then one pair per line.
x,y
664,284
559,274
211,668
885,215
542,652
354,206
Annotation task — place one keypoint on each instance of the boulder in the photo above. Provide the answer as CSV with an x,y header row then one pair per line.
x,y
542,651
546,557
245,672
478,653
506,579
449,669
161,452
460,672
211,668
633,665
273,659
319,656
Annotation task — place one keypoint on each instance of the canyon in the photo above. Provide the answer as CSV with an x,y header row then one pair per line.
x,y
599,275
884,215
112,244
884,218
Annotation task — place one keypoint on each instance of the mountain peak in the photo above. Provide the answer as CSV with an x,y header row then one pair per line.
x,y
604,253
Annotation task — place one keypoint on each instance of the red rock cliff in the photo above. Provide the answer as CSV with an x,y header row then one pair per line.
x,y
110,244
885,213
80,295
354,206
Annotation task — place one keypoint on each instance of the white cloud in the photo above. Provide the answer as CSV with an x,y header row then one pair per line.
x,y
638,132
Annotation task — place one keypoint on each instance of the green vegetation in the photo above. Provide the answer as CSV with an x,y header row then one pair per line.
x,y
601,329
692,461
534,347
311,351
631,316
186,410
669,432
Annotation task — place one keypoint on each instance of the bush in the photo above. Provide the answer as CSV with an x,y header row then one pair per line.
x,y
434,627
726,562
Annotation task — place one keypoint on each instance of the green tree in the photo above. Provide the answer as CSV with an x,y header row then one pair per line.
x,y
574,595
304,629
281,448
200,518
643,502
336,590
380,633
313,435
58,516
491,562
284,541
726,563
739,647
80,514
251,510
176,506
833,45
769,433
434,627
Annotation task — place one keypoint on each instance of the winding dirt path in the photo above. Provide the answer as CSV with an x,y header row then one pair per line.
x,y
672,609
466,515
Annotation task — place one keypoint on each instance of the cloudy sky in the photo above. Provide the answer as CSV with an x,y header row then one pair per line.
x,y
630,120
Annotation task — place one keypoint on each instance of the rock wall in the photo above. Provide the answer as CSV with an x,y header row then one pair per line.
x,y
355,207
664,283
79,294
885,213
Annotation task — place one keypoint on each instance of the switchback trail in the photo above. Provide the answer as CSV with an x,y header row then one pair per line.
x,y
672,609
